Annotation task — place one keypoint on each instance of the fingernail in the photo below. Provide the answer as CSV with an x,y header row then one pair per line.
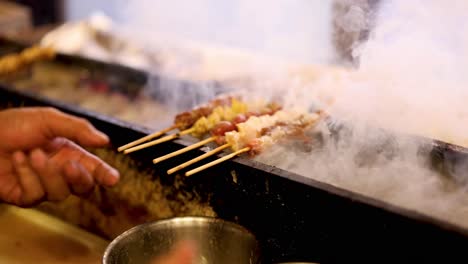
x,y
19,158
115,176
37,159
103,138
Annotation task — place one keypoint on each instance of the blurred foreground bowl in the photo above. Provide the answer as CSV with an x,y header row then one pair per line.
x,y
217,241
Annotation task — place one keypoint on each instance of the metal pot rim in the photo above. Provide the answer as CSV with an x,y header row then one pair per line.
x,y
182,219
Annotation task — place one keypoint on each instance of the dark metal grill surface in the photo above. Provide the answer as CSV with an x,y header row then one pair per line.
x,y
295,218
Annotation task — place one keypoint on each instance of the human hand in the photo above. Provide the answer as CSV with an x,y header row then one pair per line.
x,y
39,159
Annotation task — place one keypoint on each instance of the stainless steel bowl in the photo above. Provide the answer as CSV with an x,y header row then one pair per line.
x,y
218,241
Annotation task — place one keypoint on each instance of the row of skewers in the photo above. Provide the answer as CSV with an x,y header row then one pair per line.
x,y
232,124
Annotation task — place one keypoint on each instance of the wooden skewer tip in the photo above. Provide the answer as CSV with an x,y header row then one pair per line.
x,y
181,151
216,162
197,159
145,138
151,143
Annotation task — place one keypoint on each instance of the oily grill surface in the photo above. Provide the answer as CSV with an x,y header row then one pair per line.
x,y
293,217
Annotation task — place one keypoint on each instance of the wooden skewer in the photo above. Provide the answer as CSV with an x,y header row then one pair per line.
x,y
145,138
197,159
186,149
158,141
216,162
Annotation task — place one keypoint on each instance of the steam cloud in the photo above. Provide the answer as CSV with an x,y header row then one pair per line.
x,y
411,79
287,29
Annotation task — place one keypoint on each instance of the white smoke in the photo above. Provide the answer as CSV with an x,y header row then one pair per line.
x,y
412,74
411,79
296,30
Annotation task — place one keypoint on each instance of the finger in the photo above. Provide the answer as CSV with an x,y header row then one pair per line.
x,y
50,175
99,170
59,124
31,188
65,151
105,174
78,178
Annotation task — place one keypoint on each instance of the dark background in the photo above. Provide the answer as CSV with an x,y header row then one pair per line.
x,y
45,11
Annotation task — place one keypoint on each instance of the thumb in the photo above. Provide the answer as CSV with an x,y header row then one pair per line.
x,y
58,124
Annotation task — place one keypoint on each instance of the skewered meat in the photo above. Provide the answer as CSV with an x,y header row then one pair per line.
x,y
187,119
268,128
225,113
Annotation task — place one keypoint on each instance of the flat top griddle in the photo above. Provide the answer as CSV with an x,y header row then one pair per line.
x,y
294,217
